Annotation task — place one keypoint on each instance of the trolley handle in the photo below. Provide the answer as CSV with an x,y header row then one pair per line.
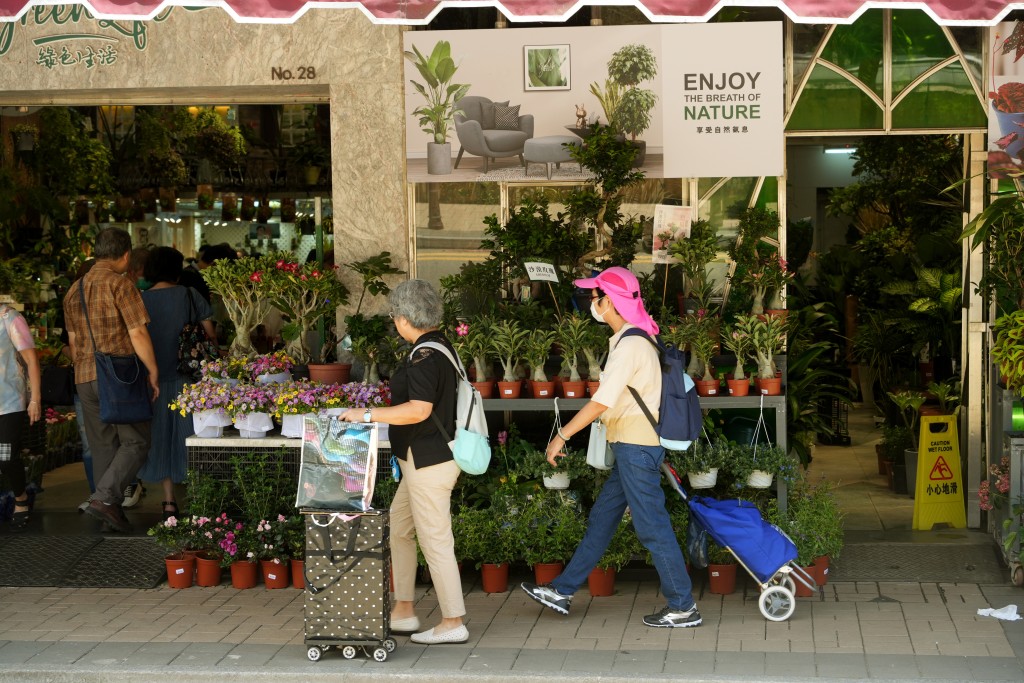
x,y
673,478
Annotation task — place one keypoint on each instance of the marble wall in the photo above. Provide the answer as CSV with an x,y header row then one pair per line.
x,y
60,55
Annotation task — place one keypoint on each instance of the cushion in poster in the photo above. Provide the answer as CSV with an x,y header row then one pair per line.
x,y
506,118
487,113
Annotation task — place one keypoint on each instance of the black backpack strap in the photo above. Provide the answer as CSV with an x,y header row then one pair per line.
x,y
643,407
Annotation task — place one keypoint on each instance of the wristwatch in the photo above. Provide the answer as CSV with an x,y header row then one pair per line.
x,y
368,415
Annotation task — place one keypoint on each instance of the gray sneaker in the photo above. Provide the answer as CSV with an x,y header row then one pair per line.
x,y
669,618
132,493
548,596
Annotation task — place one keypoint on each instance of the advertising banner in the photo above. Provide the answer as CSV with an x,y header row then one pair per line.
x,y
1006,101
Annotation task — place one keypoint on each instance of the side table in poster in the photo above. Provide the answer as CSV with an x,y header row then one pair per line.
x,y
671,224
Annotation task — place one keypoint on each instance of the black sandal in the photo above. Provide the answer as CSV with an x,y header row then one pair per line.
x,y
170,513
19,520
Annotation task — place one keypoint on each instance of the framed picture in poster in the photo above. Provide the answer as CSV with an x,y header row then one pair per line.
x,y
546,67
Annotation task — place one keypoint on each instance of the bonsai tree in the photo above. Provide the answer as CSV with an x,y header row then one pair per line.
x,y
246,296
305,293
508,342
536,352
628,67
441,94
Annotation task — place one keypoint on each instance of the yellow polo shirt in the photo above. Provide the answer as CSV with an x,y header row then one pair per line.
x,y
632,362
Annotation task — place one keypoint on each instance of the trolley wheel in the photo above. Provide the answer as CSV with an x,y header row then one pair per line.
x,y
314,653
390,644
380,654
776,603
789,584
1017,575
348,652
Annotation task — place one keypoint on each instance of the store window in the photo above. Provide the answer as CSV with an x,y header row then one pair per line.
x,y
448,225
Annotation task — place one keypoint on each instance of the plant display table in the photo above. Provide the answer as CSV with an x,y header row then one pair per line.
x,y
775,403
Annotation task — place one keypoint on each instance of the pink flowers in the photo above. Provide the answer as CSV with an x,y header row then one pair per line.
x,y
462,329
256,277
987,499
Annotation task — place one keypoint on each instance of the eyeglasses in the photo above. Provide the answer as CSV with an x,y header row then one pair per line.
x,y
391,314
594,297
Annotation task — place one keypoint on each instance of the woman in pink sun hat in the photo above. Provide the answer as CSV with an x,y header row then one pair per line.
x,y
635,479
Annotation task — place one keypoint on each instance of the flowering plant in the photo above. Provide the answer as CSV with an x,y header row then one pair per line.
x,y
201,396
236,541
174,533
473,344
269,364
250,398
305,293
272,538
297,398
240,283
224,368
1008,98
363,395
986,498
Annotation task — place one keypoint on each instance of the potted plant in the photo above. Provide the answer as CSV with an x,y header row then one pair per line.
x,y
701,462
768,336
536,350
362,333
621,550
313,157
1008,350
295,540
694,253
176,535
240,284
206,401
549,526
815,523
595,351
571,334
305,292
777,277
752,255
272,543
628,67
250,406
909,403
703,341
756,465
738,340
533,464
721,570
24,136
486,535
477,344
895,440
508,342
438,114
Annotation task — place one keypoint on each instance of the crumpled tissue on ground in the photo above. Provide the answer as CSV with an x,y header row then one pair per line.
x,y
1008,613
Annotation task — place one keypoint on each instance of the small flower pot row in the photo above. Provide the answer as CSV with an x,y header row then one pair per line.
x,y
561,389
205,570
771,386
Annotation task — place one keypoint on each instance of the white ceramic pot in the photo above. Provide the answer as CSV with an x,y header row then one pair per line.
x,y
759,479
558,480
703,480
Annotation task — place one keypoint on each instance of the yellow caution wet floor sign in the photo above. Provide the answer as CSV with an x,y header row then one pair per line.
x,y
939,498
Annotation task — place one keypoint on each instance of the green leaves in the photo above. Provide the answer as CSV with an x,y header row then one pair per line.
x,y
437,70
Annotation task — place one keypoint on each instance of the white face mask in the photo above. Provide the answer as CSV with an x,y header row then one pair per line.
x,y
599,317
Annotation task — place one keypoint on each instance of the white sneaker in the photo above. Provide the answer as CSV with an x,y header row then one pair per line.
x,y
456,635
84,506
132,494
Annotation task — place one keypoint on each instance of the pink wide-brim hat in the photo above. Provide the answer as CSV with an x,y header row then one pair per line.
x,y
624,290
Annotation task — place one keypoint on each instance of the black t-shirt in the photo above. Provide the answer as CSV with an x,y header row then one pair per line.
x,y
425,376
190,277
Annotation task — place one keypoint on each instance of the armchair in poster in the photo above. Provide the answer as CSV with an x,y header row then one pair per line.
x,y
698,110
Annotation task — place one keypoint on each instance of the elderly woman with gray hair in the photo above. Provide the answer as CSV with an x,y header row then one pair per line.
x,y
421,511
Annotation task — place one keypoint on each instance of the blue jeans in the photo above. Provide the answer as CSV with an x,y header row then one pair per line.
x,y
635,481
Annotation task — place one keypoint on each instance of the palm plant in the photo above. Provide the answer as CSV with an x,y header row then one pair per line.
x,y
441,95
933,310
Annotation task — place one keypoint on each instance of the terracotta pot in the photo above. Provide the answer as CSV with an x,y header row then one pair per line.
x,y
926,373
486,389
592,388
770,387
601,582
546,572
243,574
208,570
803,591
180,570
738,387
543,389
881,458
926,410
821,569
509,389
721,579
574,389
494,577
890,474
275,574
331,373
298,568
707,388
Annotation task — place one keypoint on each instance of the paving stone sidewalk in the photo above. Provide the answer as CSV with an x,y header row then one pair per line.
x,y
861,630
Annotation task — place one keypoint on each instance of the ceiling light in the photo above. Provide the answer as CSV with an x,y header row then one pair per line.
x,y
845,149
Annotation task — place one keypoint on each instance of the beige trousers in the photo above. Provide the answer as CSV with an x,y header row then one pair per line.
x,y
422,511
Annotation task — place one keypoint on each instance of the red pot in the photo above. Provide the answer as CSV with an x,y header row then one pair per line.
x,y
298,568
738,387
803,591
543,389
180,570
509,389
486,389
546,572
275,573
330,373
821,568
243,574
707,388
573,389
721,579
770,387
601,582
208,570
592,387
494,577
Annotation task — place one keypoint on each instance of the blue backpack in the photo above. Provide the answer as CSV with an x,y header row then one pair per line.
x,y
680,418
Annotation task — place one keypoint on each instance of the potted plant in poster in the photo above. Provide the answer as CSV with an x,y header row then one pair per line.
x,y
508,341
438,114
630,66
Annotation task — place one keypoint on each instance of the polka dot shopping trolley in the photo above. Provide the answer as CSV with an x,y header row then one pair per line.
x,y
348,602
